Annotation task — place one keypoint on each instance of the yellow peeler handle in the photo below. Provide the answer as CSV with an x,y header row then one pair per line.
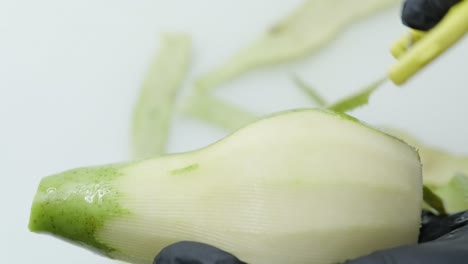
x,y
416,50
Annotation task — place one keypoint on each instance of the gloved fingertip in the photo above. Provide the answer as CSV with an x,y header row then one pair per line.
x,y
188,252
425,14
416,16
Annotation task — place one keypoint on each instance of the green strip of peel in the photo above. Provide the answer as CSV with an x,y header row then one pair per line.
x,y
309,91
305,31
153,111
358,99
434,201
455,193
216,111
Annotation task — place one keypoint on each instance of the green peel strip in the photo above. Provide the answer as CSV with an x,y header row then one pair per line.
x,y
215,111
309,91
358,99
434,201
218,112
153,111
305,31
455,194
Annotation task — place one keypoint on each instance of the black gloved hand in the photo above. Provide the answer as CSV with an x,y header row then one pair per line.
x,y
449,247
425,14
187,252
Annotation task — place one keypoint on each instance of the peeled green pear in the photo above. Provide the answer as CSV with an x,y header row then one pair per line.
x,y
302,186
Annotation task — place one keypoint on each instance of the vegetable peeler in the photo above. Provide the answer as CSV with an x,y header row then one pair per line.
x,y
417,48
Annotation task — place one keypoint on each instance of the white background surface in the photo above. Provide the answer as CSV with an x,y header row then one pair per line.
x,y
70,72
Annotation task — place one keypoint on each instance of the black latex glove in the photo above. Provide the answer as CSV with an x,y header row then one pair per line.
x,y
187,252
449,247
425,14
